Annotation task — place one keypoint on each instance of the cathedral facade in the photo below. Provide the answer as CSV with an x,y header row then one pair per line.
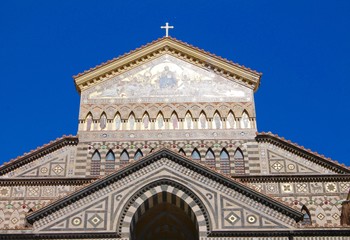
x,y
167,148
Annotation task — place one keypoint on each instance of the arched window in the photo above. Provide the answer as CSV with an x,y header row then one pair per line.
x,y
96,156
306,216
88,122
95,163
138,155
188,121
217,121
110,161
103,121
210,158
196,155
224,162
117,122
174,121
239,162
145,122
231,121
203,123
245,122
110,156
182,152
131,121
124,158
160,121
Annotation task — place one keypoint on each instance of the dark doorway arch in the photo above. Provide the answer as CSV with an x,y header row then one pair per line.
x,y
166,196
164,221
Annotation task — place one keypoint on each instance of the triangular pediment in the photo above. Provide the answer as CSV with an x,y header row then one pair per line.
x,y
285,157
172,47
167,79
228,205
50,160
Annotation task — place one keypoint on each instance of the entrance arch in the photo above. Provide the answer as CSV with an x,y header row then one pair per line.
x,y
164,216
166,206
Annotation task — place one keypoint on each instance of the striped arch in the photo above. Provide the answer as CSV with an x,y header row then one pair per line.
x,y
164,191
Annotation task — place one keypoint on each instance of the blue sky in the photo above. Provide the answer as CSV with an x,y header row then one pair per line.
x,y
301,47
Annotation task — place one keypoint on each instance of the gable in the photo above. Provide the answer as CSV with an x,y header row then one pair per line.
x,y
279,156
167,45
227,205
167,79
55,159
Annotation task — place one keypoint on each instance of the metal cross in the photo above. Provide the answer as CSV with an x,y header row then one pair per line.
x,y
167,27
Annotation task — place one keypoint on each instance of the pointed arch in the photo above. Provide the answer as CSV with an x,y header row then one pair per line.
x,y
138,155
210,158
182,152
145,122
131,121
174,121
110,161
224,162
239,161
117,122
188,120
124,158
88,122
110,156
96,156
95,163
245,121
160,124
196,155
306,216
203,121
103,121
217,123
231,121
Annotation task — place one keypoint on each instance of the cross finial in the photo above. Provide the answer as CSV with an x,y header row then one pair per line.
x,y
167,27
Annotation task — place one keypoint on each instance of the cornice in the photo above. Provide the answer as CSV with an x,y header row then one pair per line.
x,y
156,156
37,153
324,232
293,178
176,48
45,181
306,232
302,152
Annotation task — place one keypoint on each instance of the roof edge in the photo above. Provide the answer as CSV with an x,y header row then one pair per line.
x,y
151,50
302,151
39,152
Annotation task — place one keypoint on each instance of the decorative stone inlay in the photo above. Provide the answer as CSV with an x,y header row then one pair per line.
x,y
277,166
336,216
331,187
76,221
251,219
301,187
291,166
14,220
95,220
5,191
57,169
33,191
321,216
232,218
167,134
44,170
287,188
